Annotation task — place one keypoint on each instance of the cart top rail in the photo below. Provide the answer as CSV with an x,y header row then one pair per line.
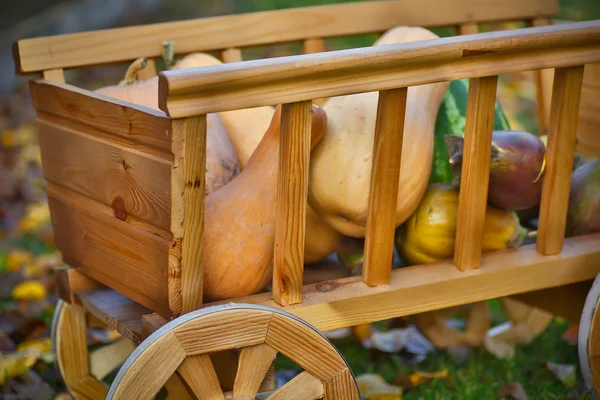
x,y
110,46
289,79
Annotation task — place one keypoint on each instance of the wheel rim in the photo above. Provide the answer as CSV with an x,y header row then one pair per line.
x,y
585,328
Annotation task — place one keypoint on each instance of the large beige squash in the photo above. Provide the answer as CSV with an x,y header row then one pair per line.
x,y
340,170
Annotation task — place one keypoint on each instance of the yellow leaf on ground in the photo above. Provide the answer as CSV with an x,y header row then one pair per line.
x,y
40,346
8,139
16,259
419,377
29,290
362,332
374,387
15,365
37,214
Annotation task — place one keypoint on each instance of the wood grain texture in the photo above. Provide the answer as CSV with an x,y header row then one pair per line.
x,y
126,120
54,75
334,73
115,310
200,376
128,181
151,322
303,386
349,301
309,350
564,301
341,386
383,195
475,173
543,85
192,272
564,115
146,380
126,44
69,281
254,362
292,192
106,359
71,344
233,54
589,112
120,256
223,331
89,389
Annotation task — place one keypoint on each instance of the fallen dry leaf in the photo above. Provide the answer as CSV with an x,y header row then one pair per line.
x,y
17,259
419,377
571,334
374,387
514,390
15,364
564,373
499,348
29,290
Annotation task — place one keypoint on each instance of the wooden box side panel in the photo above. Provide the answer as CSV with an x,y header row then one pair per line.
x,y
589,112
108,166
261,28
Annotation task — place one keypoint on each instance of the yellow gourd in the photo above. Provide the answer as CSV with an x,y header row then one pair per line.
x,y
429,233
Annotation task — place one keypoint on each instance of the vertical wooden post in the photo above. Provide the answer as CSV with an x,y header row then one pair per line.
x,y
543,86
383,196
193,223
313,45
468,29
475,173
292,194
54,75
564,115
232,55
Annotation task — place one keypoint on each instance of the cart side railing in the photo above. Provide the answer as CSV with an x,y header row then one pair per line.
x,y
391,69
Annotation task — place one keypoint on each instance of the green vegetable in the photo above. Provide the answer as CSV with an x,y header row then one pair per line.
x,y
451,120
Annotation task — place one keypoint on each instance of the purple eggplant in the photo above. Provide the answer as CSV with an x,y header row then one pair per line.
x,y
516,169
584,200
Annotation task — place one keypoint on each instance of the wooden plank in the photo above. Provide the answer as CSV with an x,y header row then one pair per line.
x,y
416,289
112,252
543,85
115,310
308,76
192,272
54,75
566,96
589,112
385,174
69,281
136,123
254,362
565,301
292,192
127,44
475,173
151,322
233,54
303,386
129,182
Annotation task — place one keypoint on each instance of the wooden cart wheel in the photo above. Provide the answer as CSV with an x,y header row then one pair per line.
x,y
183,347
524,324
588,342
83,371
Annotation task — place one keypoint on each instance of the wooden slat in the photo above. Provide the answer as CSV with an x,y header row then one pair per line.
x,y
566,96
199,374
89,389
468,28
334,73
416,289
543,86
54,75
589,112
313,45
128,181
192,271
254,362
292,192
115,310
69,281
565,301
112,252
233,54
303,386
341,387
136,123
127,44
385,174
475,174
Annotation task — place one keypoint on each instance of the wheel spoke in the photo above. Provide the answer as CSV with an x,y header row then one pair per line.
x,y
253,365
199,374
105,359
303,387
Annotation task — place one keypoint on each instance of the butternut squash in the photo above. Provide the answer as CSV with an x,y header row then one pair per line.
x,y
341,165
239,226
221,161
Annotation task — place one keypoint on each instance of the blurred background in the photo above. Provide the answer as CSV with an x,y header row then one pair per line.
x,y
27,253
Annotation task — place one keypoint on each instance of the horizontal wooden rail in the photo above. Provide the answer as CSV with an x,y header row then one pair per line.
x,y
259,28
308,76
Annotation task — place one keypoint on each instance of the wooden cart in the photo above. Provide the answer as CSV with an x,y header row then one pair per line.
x,y
127,198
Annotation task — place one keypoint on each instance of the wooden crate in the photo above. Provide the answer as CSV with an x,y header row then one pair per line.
x,y
125,182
